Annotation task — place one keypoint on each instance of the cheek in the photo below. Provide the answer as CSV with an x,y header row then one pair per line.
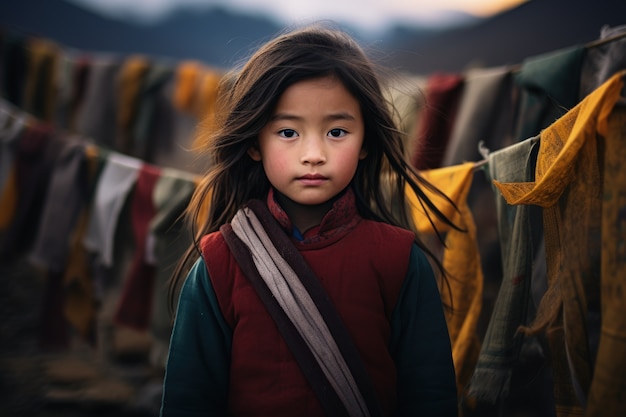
x,y
351,158
276,163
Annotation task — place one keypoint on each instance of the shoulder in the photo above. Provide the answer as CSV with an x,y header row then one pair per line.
x,y
212,242
379,231
213,247
384,243
387,248
216,254
219,261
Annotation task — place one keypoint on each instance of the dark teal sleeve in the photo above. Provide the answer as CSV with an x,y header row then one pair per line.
x,y
196,374
420,345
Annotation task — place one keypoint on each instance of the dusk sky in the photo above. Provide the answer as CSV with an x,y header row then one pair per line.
x,y
365,14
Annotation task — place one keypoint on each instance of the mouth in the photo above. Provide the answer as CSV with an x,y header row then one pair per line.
x,y
312,179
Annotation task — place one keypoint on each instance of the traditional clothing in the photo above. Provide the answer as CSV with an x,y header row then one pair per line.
x,y
227,356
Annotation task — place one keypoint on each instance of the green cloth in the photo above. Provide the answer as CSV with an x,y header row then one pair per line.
x,y
501,345
549,86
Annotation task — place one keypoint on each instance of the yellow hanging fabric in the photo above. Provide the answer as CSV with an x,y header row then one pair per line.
x,y
560,145
188,75
206,104
461,260
80,306
40,89
567,187
129,84
606,396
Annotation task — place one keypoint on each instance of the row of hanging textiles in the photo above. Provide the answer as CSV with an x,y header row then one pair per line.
x,y
539,112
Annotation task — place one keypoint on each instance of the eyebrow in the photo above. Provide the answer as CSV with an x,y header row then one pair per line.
x,y
330,117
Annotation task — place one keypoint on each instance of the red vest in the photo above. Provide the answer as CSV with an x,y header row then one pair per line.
x,y
362,268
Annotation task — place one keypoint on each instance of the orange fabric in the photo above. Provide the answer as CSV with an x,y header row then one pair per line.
x,y
188,75
129,86
40,91
206,102
80,306
461,260
561,143
606,396
207,94
80,303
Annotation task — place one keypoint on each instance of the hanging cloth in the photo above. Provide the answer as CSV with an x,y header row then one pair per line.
x,y
502,344
604,58
606,396
80,304
129,84
118,177
9,140
167,241
461,260
549,85
40,93
188,75
10,132
485,114
135,304
64,200
443,94
37,149
151,123
14,69
72,81
96,115
566,186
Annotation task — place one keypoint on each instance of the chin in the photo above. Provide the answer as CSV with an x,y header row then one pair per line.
x,y
312,202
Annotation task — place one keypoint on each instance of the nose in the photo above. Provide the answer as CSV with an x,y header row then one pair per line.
x,y
313,151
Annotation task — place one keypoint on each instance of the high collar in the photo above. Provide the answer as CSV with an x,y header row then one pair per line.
x,y
338,222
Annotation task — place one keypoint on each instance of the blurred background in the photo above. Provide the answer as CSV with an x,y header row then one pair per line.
x,y
49,366
415,36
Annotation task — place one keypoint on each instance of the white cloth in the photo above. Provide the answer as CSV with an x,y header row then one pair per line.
x,y
118,177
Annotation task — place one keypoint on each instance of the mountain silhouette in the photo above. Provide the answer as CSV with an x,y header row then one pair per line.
x,y
530,29
222,38
217,36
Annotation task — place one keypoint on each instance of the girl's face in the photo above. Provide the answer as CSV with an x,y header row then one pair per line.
x,y
313,142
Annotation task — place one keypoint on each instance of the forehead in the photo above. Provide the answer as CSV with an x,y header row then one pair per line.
x,y
322,94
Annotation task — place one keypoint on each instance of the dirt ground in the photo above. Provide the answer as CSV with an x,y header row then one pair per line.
x,y
70,381
114,376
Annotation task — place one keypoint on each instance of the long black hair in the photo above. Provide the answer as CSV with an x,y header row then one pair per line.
x,y
247,99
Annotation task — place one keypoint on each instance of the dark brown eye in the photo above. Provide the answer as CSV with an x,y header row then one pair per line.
x,y
288,133
336,133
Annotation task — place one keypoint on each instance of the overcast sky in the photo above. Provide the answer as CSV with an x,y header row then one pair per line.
x,y
370,14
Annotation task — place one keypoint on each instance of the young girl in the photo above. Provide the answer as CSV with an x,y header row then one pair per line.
x,y
306,152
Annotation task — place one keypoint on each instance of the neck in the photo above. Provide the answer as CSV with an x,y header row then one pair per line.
x,y
303,216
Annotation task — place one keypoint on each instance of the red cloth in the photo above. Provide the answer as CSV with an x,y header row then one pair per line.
x,y
443,94
135,307
263,370
36,153
54,333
